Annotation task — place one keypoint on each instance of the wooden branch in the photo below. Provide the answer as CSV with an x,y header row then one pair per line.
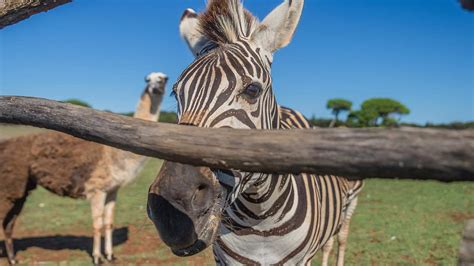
x,y
466,253
14,11
445,155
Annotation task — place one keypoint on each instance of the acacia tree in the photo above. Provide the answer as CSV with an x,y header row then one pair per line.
x,y
383,109
376,112
337,106
362,118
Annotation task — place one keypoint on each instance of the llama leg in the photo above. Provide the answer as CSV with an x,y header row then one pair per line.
x,y
9,247
344,233
97,207
8,225
109,223
327,251
9,222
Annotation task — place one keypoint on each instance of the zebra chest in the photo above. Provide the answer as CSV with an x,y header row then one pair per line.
x,y
285,233
264,248
310,210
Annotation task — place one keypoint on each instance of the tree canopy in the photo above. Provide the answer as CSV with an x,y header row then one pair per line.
x,y
337,106
378,111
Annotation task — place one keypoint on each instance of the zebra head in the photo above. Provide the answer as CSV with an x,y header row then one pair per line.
x,y
228,85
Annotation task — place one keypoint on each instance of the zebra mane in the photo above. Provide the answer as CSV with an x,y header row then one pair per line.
x,y
226,21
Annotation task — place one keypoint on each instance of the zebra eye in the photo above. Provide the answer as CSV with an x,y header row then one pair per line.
x,y
253,90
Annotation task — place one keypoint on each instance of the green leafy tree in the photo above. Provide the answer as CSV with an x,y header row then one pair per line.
x,y
319,122
78,102
361,118
337,106
130,114
378,111
168,117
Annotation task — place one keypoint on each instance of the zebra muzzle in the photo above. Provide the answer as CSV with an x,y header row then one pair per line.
x,y
184,203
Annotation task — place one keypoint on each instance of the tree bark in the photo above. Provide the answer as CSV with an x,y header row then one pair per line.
x,y
466,253
334,121
14,11
445,155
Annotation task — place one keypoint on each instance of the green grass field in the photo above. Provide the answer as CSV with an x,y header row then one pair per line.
x,y
8,131
396,223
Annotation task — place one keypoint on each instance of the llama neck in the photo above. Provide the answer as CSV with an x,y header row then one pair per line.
x,y
148,107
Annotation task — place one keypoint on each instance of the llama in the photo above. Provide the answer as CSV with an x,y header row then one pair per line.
x,y
74,168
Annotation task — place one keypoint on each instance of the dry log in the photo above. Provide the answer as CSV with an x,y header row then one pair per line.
x,y
14,11
445,155
466,253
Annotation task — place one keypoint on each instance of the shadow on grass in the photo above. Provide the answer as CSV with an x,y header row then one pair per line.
x,y
63,242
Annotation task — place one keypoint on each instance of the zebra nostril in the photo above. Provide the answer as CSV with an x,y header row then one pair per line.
x,y
202,198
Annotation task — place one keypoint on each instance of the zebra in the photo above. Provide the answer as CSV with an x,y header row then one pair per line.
x,y
249,218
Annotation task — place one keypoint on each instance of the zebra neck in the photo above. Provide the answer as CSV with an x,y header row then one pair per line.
x,y
269,200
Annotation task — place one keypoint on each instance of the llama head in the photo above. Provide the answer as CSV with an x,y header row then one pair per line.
x,y
156,83
149,104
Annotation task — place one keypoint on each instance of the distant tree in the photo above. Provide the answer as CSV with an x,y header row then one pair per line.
x,y
78,102
165,117
128,114
452,125
381,109
337,106
319,122
361,118
168,117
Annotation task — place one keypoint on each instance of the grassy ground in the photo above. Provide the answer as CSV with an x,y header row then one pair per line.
x,y
409,223
8,131
396,223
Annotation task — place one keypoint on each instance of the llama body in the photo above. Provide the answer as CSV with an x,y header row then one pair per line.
x,y
71,167
68,166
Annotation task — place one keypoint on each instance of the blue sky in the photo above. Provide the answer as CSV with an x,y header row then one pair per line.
x,y
420,52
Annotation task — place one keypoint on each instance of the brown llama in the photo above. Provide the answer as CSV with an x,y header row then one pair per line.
x,y
71,167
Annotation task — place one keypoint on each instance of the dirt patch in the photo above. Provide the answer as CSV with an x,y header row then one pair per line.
x,y
132,245
374,237
461,217
38,246
142,242
408,259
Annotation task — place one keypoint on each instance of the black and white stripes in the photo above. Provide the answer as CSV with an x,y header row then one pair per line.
x,y
266,219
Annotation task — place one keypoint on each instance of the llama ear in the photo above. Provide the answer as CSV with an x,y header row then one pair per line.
x,y
188,27
277,29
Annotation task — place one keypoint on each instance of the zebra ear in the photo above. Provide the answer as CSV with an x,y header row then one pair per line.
x,y
277,29
188,28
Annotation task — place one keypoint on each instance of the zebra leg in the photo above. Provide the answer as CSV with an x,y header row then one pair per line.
x,y
344,232
327,248
97,207
109,223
